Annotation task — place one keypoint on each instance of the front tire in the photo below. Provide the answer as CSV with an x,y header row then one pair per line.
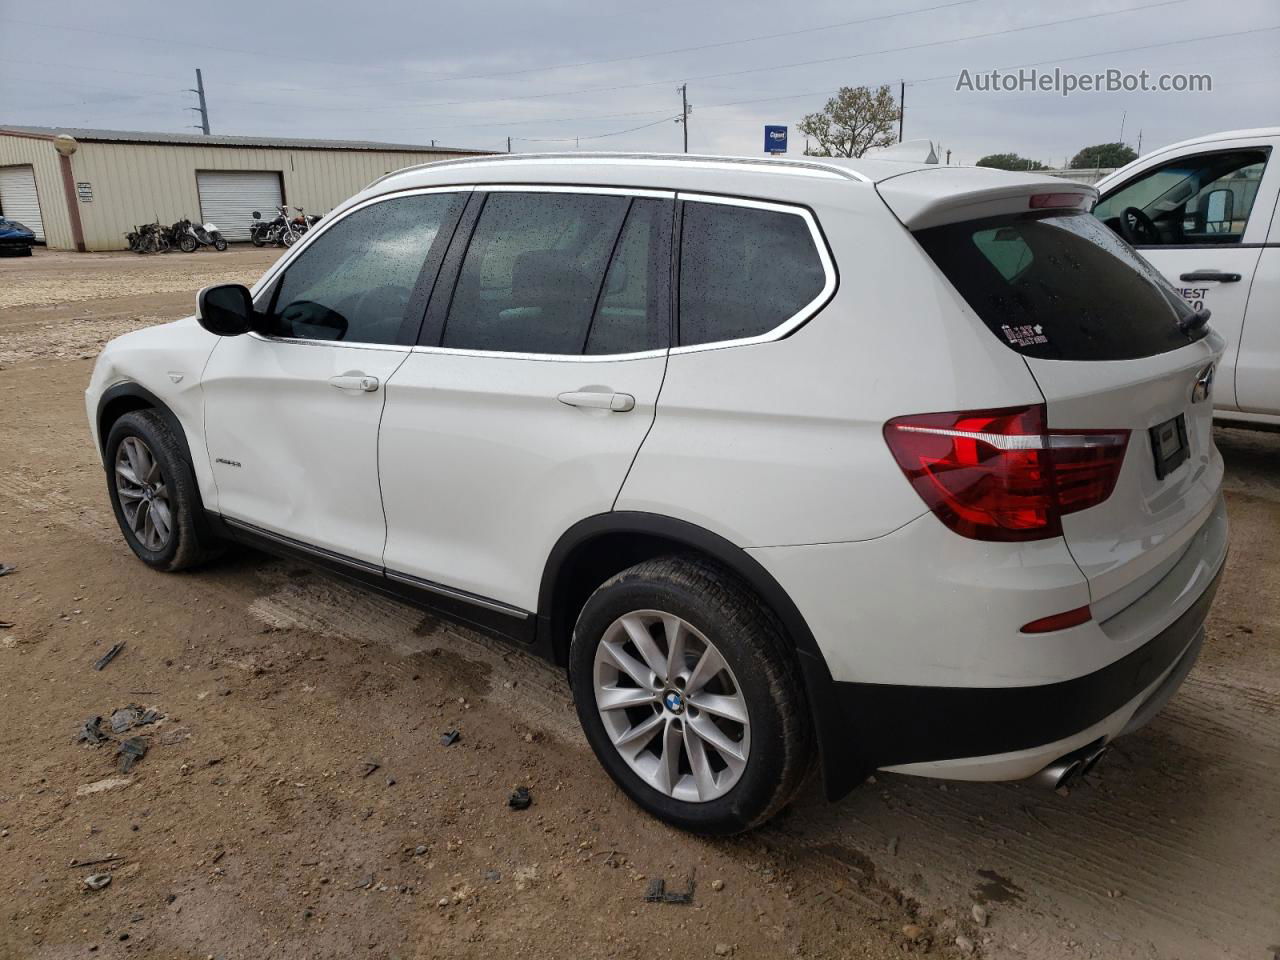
x,y
188,244
689,695
154,494
220,244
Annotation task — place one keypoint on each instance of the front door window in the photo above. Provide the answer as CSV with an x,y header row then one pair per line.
x,y
1202,199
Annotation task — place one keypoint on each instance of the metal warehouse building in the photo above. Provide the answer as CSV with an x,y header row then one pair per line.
x,y
85,189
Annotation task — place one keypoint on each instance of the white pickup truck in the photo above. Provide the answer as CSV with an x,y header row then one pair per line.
x,y
1203,211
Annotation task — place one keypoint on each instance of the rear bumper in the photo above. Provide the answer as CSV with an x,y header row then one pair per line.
x,y
995,733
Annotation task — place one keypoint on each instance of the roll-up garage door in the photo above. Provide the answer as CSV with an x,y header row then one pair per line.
x,y
229,197
18,200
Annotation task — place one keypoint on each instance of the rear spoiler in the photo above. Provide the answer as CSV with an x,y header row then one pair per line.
x,y
935,196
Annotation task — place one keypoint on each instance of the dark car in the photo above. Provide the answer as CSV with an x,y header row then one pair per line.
x,y
15,238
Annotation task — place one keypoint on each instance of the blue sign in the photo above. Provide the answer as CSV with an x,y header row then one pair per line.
x,y
775,139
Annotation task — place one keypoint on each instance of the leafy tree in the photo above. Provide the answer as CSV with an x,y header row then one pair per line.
x,y
853,121
1103,155
1010,161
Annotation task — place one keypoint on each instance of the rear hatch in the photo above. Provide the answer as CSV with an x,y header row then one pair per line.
x,y
1103,334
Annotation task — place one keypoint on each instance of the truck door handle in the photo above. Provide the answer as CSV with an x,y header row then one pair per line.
x,y
1218,275
355,381
599,400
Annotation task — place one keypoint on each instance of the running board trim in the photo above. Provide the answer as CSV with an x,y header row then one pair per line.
x,y
497,606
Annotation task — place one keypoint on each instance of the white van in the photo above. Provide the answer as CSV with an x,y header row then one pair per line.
x,y
1203,211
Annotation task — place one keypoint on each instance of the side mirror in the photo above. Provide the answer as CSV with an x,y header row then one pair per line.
x,y
1218,212
225,310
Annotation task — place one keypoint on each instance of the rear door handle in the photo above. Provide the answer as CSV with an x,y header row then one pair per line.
x,y
599,400
1210,275
355,381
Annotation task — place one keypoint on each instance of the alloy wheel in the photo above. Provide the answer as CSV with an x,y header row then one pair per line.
x,y
143,494
671,706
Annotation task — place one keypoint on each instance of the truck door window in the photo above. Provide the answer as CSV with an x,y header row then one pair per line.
x,y
1193,200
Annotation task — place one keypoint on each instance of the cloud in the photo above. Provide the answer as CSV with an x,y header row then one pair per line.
x,y
472,75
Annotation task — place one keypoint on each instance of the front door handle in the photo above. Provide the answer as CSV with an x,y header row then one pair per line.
x,y
1210,275
599,400
355,381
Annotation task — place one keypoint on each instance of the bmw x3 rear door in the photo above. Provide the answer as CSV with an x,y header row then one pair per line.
x,y
533,386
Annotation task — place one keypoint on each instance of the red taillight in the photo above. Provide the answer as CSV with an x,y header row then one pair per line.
x,y
1002,474
1050,201
1059,621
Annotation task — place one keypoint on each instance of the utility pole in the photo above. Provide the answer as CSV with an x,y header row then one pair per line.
x,y
203,109
948,158
902,106
508,144
684,113
1139,142
1123,115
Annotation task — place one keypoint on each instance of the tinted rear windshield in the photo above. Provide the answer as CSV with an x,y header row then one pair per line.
x,y
1060,287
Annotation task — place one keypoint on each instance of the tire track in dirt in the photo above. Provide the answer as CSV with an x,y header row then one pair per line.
x,y
533,691
37,496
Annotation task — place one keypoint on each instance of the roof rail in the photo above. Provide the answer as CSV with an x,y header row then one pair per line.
x,y
796,165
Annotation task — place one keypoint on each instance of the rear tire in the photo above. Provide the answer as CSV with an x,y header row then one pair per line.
x,y
739,733
154,494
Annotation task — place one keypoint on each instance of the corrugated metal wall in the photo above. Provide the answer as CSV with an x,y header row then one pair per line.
x,y
138,183
53,202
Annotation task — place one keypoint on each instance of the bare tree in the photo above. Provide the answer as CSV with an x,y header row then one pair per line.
x,y
854,121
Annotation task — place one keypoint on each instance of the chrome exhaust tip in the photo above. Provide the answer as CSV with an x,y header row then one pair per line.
x,y
1071,767
1058,774
1091,761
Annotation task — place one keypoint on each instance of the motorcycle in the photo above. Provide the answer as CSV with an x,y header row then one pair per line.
x,y
281,230
304,221
289,232
149,238
189,237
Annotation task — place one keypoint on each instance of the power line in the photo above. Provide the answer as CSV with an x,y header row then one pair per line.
x,y
443,78
735,73
674,50
828,91
170,41
773,66
1039,63
595,136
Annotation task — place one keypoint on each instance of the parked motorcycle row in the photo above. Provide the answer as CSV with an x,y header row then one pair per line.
x,y
284,230
183,235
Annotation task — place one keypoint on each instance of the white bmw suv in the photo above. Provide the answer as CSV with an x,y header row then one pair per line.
x,y
863,464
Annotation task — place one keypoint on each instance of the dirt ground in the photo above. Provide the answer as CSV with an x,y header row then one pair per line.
x,y
253,828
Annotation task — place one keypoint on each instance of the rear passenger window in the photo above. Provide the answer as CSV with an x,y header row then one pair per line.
x,y
743,271
634,310
533,272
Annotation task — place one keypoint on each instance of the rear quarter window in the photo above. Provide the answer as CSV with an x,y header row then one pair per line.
x,y
1060,287
743,271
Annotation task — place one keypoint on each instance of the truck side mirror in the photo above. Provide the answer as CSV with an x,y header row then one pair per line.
x,y
1218,212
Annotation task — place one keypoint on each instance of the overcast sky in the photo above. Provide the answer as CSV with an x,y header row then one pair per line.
x,y
473,73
